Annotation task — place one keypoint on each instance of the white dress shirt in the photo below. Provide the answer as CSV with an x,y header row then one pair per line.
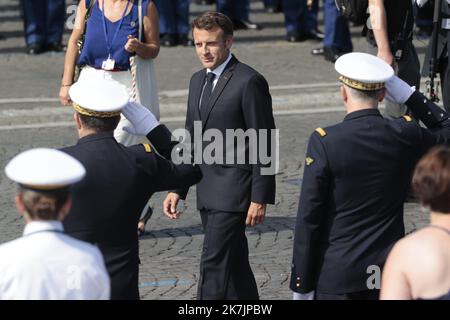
x,y
47,264
219,70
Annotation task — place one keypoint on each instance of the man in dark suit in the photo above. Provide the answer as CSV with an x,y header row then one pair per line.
x,y
119,179
227,95
357,174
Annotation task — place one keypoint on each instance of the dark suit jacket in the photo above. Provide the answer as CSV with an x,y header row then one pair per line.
x,y
240,100
108,201
350,213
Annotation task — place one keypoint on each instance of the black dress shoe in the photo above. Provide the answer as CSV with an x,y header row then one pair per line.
x,y
35,48
273,9
331,54
245,25
169,40
314,35
54,46
293,37
318,51
184,40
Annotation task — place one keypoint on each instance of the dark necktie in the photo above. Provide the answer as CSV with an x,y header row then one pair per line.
x,y
207,91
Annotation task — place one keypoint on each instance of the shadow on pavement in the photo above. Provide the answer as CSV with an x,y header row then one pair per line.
x,y
271,224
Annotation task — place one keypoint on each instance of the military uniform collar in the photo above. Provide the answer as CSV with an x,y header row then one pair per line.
x,y
362,113
96,136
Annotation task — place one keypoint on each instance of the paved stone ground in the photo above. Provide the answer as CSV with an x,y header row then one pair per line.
x,y
305,97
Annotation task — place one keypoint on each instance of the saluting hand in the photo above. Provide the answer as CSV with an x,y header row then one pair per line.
x,y
256,213
170,205
132,44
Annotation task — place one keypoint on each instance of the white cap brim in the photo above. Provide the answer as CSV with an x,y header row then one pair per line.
x,y
45,168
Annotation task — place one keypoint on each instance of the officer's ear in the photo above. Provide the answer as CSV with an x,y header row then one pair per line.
x,y
344,94
19,204
65,208
228,41
382,95
77,119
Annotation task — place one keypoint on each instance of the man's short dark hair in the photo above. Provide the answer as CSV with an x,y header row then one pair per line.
x,y
100,124
44,205
211,20
431,181
365,94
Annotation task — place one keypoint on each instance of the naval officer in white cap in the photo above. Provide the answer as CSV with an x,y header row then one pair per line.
x,y
119,180
46,263
356,177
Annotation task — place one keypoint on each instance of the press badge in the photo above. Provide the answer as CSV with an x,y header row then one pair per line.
x,y
108,64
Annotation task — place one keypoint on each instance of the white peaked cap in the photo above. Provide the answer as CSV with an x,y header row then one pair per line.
x,y
363,71
45,169
99,98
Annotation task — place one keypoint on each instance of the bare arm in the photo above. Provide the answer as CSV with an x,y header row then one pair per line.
x,y
394,283
72,54
148,49
379,27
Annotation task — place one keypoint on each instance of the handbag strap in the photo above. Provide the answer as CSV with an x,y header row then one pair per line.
x,y
133,59
88,14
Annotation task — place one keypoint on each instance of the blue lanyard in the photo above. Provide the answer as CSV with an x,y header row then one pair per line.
x,y
117,30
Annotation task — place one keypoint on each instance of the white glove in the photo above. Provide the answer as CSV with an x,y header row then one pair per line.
x,y
141,118
420,3
303,296
398,91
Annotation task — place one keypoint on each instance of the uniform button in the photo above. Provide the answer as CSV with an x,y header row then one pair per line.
x,y
298,285
298,278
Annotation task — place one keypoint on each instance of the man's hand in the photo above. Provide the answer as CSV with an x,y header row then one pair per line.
x,y
141,118
132,44
170,205
303,296
256,213
398,91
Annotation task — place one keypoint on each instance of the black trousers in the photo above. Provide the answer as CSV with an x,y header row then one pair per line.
x,y
225,272
361,295
122,264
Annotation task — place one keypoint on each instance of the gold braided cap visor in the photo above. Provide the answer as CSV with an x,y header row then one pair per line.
x,y
92,113
361,85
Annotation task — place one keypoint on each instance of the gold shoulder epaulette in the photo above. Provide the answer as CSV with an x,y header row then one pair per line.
x,y
147,147
321,132
407,118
